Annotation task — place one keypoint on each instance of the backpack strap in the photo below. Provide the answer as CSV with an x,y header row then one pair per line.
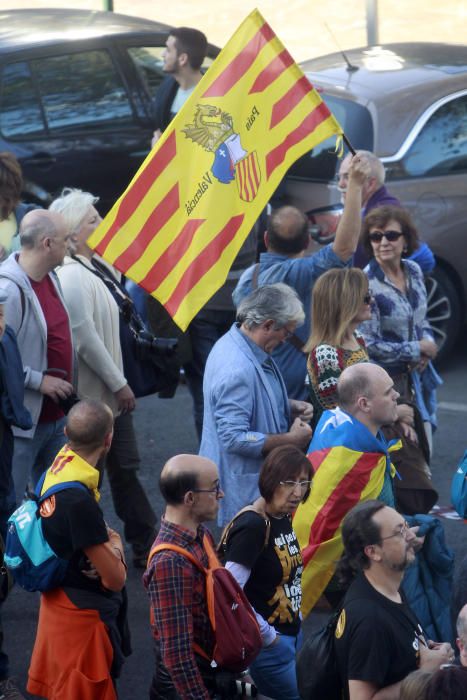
x,y
253,508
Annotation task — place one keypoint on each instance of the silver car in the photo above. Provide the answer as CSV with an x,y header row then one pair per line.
x,y
408,104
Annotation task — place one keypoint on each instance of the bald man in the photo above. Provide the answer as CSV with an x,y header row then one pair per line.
x,y
286,260
36,311
81,637
191,489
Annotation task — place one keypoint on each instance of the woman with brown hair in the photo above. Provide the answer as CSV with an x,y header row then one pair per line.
x,y
12,210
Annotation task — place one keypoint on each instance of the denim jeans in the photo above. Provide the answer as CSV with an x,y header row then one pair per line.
x,y
32,456
274,669
205,330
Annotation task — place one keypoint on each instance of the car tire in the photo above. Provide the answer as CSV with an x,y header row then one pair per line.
x,y
444,310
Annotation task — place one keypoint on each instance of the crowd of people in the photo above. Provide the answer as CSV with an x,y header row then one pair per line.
x,y
315,405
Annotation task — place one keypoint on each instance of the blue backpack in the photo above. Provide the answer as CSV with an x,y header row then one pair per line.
x,y
32,562
459,487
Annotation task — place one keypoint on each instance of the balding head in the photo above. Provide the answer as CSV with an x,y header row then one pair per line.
x,y
88,426
366,391
287,232
181,474
39,224
44,237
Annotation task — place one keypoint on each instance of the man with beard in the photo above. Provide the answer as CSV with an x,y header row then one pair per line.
x,y
378,639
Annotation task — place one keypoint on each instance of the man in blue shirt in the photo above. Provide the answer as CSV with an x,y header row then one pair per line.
x,y
287,240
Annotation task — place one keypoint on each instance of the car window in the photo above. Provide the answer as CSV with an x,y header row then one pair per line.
x,y
320,164
148,63
20,110
441,146
81,89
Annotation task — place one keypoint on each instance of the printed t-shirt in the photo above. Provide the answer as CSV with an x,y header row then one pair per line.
x,y
376,639
59,345
274,587
76,524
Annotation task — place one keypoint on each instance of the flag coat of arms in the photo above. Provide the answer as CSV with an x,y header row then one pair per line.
x,y
182,220
350,465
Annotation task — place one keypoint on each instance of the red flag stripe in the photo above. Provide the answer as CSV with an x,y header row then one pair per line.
x,y
243,175
256,171
317,458
346,495
175,251
289,101
158,218
240,64
267,76
276,157
138,190
201,264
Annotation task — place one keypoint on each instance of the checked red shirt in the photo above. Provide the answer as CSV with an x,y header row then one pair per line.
x,y
177,591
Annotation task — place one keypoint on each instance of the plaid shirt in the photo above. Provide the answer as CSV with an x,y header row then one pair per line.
x,y
177,591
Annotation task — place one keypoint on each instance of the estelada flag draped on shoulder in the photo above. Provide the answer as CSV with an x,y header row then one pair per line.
x,y
350,464
180,223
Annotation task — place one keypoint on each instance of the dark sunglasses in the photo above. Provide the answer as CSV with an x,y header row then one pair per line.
x,y
377,236
367,298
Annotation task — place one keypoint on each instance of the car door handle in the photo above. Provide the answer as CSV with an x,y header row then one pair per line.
x,y
41,160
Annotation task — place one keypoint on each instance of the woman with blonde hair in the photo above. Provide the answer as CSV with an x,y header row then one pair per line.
x,y
340,302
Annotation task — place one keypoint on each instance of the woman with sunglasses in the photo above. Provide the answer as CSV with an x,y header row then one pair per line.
x,y
399,338
263,554
340,302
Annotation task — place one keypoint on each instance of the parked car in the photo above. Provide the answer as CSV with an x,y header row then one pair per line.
x,y
76,89
408,104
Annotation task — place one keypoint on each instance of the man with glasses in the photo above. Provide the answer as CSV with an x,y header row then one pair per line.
x,y
246,408
287,260
177,589
378,639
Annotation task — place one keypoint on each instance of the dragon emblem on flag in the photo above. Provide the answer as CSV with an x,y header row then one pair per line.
x,y
213,130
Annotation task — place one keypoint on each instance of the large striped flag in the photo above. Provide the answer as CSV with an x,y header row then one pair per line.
x,y
180,223
350,464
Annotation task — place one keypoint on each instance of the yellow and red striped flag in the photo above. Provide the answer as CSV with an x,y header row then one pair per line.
x,y
350,464
178,226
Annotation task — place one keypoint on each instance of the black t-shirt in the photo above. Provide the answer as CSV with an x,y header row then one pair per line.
x,y
376,639
274,587
76,524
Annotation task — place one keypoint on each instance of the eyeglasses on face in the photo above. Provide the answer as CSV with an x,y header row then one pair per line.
x,y
367,298
215,489
402,532
377,236
292,485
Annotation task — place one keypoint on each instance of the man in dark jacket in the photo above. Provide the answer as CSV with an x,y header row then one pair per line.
x,y
185,51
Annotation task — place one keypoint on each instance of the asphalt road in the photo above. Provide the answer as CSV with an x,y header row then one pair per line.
x,y
166,428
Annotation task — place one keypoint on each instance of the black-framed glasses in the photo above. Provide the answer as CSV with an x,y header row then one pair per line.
x,y
215,489
367,298
377,236
402,532
292,485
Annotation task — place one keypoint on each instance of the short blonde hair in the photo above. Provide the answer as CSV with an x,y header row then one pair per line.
x,y
336,299
73,205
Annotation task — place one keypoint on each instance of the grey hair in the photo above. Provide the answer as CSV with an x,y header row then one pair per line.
x,y
461,624
73,205
278,302
377,168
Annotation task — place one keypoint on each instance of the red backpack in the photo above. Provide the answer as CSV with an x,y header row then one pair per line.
x,y
236,631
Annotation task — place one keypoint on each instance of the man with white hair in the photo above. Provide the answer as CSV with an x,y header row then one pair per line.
x,y
461,641
246,409
375,194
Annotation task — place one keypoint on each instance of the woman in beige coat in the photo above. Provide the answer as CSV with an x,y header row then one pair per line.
x,y
95,322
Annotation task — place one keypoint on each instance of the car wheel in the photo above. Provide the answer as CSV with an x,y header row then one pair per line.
x,y
444,310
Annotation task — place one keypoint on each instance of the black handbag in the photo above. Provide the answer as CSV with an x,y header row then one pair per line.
x,y
150,364
317,672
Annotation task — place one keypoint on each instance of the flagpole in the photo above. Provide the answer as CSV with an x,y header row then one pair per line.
x,y
349,145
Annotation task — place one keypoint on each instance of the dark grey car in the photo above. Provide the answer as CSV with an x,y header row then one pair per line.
x,y
76,89
408,104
